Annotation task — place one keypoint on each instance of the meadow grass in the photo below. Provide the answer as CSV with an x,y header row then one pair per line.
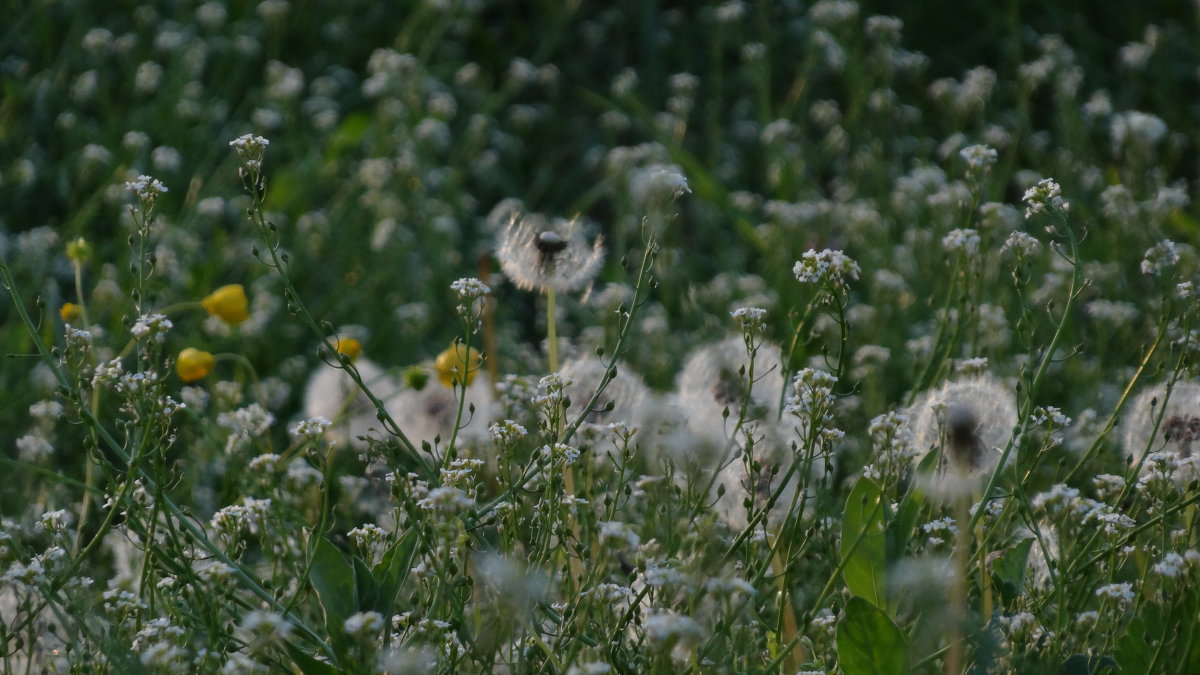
x,y
484,336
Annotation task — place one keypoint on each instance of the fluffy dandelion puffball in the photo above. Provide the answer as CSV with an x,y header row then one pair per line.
x,y
717,376
333,395
969,422
626,392
539,254
429,413
1178,431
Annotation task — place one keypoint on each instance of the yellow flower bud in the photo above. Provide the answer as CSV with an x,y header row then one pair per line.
x,y
229,303
193,364
70,312
348,346
451,364
79,250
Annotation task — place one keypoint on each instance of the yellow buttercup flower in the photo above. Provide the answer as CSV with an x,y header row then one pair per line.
x,y
348,346
70,312
229,303
193,364
451,364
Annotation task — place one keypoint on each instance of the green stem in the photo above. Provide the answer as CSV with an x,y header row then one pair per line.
x,y
1035,383
551,330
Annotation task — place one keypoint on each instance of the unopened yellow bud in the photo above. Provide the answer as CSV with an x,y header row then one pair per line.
x,y
193,364
348,346
229,303
70,312
79,250
457,363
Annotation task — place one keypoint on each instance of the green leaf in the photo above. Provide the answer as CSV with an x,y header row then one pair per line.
x,y
333,580
1135,650
1008,570
307,664
393,569
869,643
366,590
348,135
864,542
1082,664
902,526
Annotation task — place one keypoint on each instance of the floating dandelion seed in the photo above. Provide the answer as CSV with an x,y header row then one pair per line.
x,y
540,255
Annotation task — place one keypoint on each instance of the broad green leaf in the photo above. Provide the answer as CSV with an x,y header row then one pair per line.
x,y
864,543
393,569
869,643
1136,648
1008,570
901,528
366,589
332,577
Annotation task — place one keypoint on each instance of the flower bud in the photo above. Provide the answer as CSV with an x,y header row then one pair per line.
x,y
229,303
193,364
456,363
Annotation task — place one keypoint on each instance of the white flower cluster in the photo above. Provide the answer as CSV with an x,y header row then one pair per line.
x,y
1122,593
152,325
461,473
669,626
447,501
1159,257
247,144
552,390
1046,195
469,289
135,383
619,535
311,428
107,372
146,188
979,156
826,266
1049,414
814,398
246,423
248,517
963,241
507,432
363,624
1173,564
1021,244
749,318
559,452
890,434
77,339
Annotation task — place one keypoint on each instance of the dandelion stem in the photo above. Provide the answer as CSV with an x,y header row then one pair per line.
x,y
551,331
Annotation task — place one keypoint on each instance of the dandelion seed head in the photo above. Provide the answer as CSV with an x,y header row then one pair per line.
x,y
970,422
1179,430
541,255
